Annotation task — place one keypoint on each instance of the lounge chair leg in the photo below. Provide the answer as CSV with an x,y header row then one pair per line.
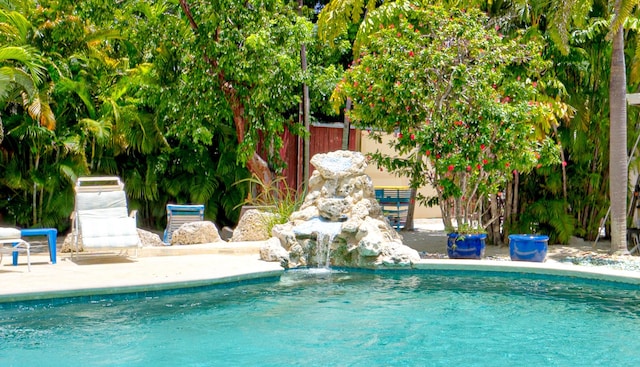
x,y
28,259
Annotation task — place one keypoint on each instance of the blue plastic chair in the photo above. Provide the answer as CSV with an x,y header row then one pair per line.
x,y
178,215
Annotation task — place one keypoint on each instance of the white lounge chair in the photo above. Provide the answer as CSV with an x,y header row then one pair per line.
x,y
12,237
100,219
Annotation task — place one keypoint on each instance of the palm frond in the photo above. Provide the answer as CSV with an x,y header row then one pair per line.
x,y
22,81
337,15
26,56
622,11
81,90
14,26
100,129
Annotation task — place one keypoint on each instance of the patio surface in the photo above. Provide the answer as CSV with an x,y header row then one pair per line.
x,y
153,269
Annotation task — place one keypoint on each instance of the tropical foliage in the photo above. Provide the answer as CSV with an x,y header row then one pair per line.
x,y
462,101
184,99
174,112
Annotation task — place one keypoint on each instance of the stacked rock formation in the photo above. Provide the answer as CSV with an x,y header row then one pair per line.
x,y
340,222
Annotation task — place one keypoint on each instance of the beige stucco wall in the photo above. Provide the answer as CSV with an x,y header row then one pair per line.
x,y
384,178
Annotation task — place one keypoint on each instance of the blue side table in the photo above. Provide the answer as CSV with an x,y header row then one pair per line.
x,y
52,235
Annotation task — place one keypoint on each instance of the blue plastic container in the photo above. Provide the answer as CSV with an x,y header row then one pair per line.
x,y
526,247
468,246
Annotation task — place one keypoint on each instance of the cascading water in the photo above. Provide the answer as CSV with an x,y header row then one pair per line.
x,y
325,233
323,249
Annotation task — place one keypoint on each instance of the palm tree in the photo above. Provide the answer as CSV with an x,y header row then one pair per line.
x,y
618,128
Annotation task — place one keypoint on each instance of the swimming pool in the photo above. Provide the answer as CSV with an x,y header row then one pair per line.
x,y
311,318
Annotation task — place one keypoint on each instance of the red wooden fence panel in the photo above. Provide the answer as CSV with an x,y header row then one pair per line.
x,y
323,139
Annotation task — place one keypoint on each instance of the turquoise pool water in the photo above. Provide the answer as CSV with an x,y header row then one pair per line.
x,y
338,319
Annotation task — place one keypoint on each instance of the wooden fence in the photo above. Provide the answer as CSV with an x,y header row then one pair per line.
x,y
323,139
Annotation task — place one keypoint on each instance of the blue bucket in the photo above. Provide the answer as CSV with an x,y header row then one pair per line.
x,y
468,246
526,247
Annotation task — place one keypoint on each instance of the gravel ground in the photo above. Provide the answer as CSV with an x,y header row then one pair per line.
x,y
430,240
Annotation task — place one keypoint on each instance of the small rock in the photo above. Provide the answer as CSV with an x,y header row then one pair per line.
x,y
67,245
149,238
273,251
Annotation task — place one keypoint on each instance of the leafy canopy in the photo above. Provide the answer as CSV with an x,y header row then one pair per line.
x,y
458,93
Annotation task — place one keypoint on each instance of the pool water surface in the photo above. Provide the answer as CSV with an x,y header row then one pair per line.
x,y
312,318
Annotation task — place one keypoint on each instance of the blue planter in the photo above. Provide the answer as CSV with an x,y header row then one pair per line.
x,y
468,246
525,247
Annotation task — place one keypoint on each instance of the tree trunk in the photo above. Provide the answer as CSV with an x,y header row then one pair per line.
x,y
618,144
508,215
256,165
305,110
409,225
515,198
346,129
564,165
495,221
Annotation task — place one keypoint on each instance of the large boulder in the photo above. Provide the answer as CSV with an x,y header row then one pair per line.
x,y
193,233
253,226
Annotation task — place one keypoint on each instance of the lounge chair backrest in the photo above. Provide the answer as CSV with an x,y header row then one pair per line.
x,y
110,204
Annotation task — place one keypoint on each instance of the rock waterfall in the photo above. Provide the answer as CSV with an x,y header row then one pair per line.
x,y
340,222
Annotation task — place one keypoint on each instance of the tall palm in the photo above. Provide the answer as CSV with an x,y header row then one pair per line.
x,y
618,128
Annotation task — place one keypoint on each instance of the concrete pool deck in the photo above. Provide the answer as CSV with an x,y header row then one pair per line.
x,y
154,268
173,267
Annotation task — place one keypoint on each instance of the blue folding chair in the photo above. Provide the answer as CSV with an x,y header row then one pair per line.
x,y
178,215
